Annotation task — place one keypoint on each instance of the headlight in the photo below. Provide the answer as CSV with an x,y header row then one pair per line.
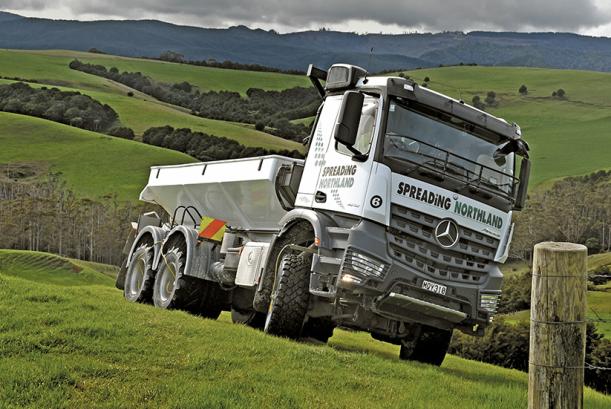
x,y
489,302
359,267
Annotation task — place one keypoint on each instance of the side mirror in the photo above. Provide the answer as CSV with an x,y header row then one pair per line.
x,y
347,124
523,186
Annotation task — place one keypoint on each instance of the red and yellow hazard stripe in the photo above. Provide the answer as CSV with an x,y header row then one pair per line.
x,y
211,229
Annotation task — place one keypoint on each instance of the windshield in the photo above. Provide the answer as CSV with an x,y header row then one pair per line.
x,y
448,149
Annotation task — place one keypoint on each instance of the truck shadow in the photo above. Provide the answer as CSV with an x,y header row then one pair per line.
x,y
454,366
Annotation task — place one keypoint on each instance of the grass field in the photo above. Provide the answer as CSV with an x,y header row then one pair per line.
x,y
52,65
92,164
141,111
70,340
567,137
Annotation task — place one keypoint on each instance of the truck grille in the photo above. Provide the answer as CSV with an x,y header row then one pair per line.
x,y
412,241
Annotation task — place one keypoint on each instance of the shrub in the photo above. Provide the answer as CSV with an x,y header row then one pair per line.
x,y
516,294
507,345
122,132
523,89
491,99
600,275
477,103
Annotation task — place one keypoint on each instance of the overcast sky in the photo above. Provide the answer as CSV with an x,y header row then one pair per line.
x,y
591,17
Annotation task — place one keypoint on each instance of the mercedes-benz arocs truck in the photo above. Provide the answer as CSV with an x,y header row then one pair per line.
x,y
395,223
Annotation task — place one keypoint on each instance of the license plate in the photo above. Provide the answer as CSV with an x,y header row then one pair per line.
x,y
434,287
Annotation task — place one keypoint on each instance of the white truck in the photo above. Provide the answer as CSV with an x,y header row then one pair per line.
x,y
395,224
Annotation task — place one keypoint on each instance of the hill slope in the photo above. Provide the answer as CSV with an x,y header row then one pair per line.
x,y
92,164
567,136
297,50
84,346
141,112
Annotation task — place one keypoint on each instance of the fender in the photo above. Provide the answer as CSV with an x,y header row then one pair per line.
x,y
319,222
158,235
190,236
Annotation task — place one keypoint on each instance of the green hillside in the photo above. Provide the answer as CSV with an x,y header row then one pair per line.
x,y
70,341
92,164
141,112
52,65
567,137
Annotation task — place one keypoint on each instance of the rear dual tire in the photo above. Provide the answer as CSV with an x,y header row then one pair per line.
x,y
140,277
174,290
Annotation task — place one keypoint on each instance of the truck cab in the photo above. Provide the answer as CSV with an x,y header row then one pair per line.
x,y
395,224
424,187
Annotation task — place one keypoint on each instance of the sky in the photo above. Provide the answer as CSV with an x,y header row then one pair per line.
x,y
590,17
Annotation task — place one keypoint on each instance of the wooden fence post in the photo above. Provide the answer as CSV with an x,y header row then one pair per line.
x,y
557,326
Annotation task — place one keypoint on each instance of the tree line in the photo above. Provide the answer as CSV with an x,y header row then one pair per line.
x,y
575,209
268,110
203,146
68,107
173,56
47,216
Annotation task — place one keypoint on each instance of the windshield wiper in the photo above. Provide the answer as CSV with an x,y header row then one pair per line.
x,y
417,166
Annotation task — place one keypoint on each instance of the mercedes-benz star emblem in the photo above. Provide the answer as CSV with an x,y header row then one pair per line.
x,y
446,233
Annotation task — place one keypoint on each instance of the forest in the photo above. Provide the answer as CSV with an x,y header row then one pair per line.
x,y
68,107
203,146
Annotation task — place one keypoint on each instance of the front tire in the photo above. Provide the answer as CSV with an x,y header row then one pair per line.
x,y
430,347
289,304
140,277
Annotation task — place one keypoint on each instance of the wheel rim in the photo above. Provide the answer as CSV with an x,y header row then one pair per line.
x,y
137,277
137,273
169,273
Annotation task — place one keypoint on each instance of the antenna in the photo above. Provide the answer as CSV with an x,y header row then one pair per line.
x,y
369,62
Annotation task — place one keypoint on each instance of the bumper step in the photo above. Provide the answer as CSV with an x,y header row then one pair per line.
x,y
396,304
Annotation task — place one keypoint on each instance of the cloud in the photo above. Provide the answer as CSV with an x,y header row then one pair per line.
x,y
434,15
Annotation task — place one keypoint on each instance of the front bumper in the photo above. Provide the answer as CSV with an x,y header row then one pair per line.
x,y
398,294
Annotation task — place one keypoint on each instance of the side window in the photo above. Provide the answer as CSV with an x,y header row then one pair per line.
x,y
367,127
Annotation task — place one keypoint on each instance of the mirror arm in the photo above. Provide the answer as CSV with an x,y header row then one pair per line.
x,y
357,155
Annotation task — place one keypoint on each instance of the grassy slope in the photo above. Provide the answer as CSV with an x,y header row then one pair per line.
x,y
69,341
51,65
92,164
567,137
142,112
599,302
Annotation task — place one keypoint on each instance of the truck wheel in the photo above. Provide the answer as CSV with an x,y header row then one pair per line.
x,y
172,290
320,329
242,311
429,348
289,306
139,277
